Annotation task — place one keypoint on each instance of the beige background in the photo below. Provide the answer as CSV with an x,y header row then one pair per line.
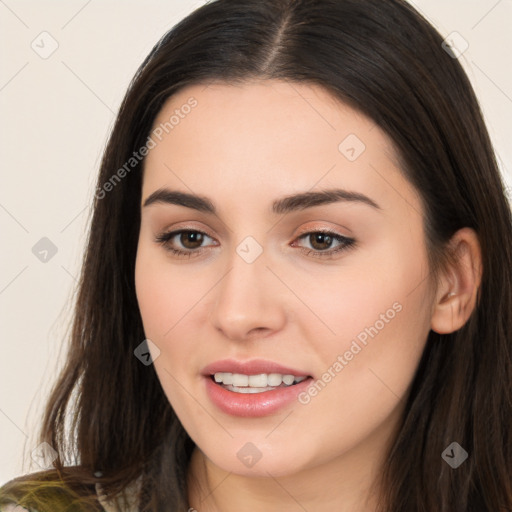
x,y
56,113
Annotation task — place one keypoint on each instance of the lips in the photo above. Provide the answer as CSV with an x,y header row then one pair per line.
x,y
252,367
263,403
257,404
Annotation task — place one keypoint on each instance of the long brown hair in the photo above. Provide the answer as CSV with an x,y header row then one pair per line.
x,y
385,60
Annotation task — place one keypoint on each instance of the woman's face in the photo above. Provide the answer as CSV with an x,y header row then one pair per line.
x,y
304,255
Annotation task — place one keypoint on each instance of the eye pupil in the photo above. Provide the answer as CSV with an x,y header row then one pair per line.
x,y
191,239
320,240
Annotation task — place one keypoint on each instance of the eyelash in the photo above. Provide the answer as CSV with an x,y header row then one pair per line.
x,y
345,243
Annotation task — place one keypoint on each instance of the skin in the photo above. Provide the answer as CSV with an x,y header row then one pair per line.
x,y
242,147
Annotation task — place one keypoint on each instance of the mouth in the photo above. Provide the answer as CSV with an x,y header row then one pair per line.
x,y
253,388
259,383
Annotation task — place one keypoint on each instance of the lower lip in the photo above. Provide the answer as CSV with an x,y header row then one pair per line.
x,y
253,404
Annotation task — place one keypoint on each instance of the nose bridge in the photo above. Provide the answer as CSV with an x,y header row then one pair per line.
x,y
247,263
246,299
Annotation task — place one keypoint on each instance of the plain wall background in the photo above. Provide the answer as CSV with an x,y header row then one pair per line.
x,y
56,113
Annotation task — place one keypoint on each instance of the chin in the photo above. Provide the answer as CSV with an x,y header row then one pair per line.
x,y
258,460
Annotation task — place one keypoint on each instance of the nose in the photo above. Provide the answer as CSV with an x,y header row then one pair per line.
x,y
248,303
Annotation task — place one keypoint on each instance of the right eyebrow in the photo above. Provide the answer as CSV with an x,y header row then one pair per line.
x,y
164,195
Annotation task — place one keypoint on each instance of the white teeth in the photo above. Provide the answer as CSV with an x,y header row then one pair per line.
x,y
248,390
288,379
239,380
274,379
262,381
258,381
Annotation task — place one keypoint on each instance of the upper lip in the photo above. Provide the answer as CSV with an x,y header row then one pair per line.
x,y
251,367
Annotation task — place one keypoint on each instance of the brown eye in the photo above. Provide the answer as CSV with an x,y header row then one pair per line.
x,y
185,242
320,241
323,244
191,239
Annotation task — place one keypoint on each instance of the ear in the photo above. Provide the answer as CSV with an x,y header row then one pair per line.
x,y
458,284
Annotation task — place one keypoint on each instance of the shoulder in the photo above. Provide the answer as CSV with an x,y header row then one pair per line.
x,y
47,491
13,508
68,490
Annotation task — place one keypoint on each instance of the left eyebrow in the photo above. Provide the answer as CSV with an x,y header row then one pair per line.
x,y
309,199
295,202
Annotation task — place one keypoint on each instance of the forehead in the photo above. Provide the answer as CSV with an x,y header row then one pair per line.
x,y
282,114
249,137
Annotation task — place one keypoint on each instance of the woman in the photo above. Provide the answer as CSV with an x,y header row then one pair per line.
x,y
297,291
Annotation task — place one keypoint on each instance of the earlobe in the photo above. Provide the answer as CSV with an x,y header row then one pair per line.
x,y
458,284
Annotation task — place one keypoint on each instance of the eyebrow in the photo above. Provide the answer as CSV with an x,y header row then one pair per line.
x,y
295,202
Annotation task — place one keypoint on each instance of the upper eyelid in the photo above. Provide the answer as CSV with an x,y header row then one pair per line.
x,y
204,232
302,231
180,229
174,232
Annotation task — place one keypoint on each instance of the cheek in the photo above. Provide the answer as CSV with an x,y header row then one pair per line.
x,y
166,299
364,301
165,293
153,302
172,306
374,323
